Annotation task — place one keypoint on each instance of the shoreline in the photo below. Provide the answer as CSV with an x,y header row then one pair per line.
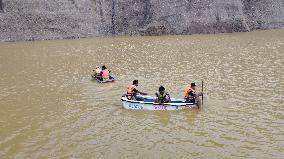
x,y
120,36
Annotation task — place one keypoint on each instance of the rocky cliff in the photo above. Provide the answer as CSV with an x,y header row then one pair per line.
x,y
58,19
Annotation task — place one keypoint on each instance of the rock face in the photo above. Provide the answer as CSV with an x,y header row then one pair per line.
x,y
58,19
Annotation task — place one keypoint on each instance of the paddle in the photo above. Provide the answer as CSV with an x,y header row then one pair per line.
x,y
202,91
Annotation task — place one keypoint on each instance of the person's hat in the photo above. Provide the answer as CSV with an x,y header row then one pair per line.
x,y
192,84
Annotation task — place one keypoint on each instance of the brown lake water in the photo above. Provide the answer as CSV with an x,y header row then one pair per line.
x,y
50,107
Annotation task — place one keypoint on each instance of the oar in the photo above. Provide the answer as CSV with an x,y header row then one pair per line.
x,y
202,92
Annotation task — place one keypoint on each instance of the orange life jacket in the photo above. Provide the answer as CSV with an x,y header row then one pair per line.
x,y
130,92
130,89
98,70
105,73
187,92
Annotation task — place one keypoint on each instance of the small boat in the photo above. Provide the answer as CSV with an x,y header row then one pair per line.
x,y
148,104
111,79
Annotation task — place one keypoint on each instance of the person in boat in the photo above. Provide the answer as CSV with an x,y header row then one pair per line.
x,y
132,91
104,73
97,72
190,94
162,96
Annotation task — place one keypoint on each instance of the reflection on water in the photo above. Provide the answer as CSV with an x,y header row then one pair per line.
x,y
50,107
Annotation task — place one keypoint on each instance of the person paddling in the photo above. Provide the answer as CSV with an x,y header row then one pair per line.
x,y
162,96
132,91
190,94
104,73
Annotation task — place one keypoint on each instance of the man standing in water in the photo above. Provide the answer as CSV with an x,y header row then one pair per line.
x,y
191,96
132,91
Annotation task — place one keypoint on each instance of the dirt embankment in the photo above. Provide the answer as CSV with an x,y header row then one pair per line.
x,y
59,19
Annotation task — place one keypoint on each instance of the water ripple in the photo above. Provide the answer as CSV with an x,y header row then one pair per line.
x,y
51,108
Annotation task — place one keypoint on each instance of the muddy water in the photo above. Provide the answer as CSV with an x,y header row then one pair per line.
x,y
50,107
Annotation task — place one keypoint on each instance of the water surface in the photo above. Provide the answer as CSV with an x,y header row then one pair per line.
x,y
50,107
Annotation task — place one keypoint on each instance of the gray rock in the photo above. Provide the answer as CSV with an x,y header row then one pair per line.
x,y
59,19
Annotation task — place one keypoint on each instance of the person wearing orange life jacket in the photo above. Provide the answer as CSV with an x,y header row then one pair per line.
x,y
104,73
190,94
132,91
